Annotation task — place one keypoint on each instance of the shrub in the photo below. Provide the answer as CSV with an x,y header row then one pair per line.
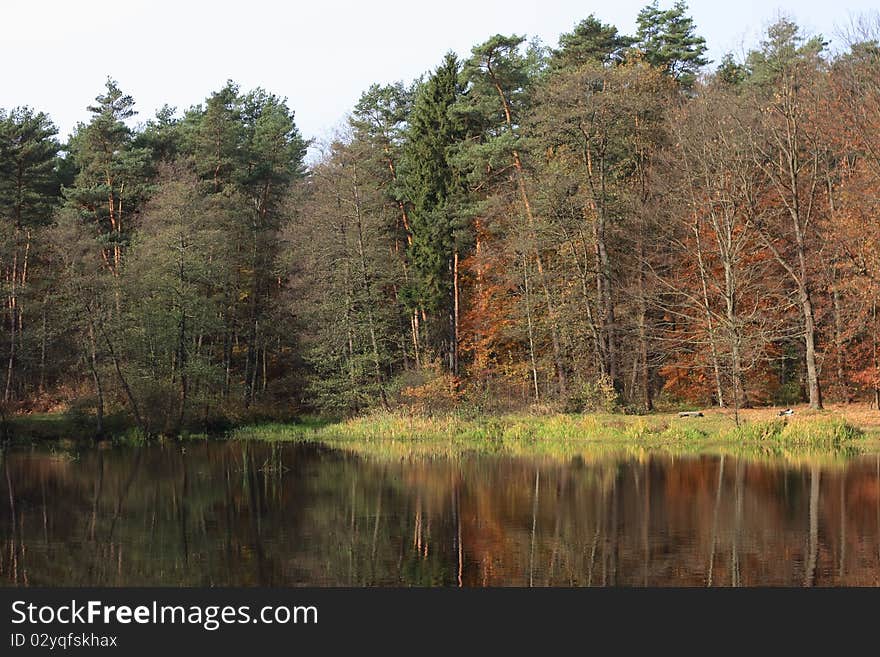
x,y
759,431
597,395
440,392
808,431
822,431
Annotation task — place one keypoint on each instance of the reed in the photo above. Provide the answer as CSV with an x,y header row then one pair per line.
x,y
589,436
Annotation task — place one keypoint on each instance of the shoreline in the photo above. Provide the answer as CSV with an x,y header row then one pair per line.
x,y
824,434
839,432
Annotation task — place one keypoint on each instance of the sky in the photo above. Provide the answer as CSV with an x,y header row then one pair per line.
x,y
319,54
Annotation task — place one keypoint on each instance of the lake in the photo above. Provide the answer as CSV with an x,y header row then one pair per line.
x,y
249,513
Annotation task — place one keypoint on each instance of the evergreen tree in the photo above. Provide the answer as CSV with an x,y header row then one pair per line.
x,y
162,135
273,156
29,184
379,121
434,187
500,83
110,181
172,302
667,39
379,124
29,192
591,41
215,135
784,53
729,72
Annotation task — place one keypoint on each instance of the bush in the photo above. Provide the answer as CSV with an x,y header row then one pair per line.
x,y
597,395
439,392
808,431
81,412
821,431
759,431
788,394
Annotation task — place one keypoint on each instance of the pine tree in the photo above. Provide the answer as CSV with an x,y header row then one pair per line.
x,y
667,39
729,72
29,191
591,41
434,187
110,181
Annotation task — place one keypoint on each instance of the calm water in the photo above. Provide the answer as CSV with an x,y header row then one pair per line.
x,y
246,514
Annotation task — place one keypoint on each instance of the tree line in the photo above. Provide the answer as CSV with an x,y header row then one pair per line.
x,y
611,223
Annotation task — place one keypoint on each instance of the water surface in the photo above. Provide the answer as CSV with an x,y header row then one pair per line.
x,y
253,513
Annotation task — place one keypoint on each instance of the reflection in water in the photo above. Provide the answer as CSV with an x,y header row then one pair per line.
x,y
249,513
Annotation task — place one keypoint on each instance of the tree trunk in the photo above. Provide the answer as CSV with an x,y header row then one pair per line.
x,y
138,418
839,344
99,389
42,383
606,301
181,362
250,364
530,329
13,327
647,398
368,292
734,337
414,324
456,311
876,350
527,206
810,343
710,323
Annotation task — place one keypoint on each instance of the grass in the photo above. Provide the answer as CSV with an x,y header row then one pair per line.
x,y
807,436
832,435
39,427
72,428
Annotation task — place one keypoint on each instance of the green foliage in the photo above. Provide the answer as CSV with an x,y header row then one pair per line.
x,y
729,72
667,39
758,431
433,188
29,184
591,42
180,254
380,117
598,395
111,174
162,136
214,136
379,122
784,50
395,435
822,431
559,218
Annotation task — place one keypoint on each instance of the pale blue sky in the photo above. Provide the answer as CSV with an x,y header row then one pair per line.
x,y
319,54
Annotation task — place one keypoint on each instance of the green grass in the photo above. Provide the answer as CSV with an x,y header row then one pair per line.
x,y
39,427
387,435
818,432
804,438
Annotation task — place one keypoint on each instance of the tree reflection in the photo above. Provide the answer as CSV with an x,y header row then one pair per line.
x,y
250,513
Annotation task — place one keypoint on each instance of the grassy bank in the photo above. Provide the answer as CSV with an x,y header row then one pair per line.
x,y
39,427
805,435
835,434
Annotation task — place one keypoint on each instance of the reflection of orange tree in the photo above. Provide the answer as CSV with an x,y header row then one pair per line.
x,y
652,523
253,513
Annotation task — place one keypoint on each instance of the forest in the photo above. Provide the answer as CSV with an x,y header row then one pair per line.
x,y
611,224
